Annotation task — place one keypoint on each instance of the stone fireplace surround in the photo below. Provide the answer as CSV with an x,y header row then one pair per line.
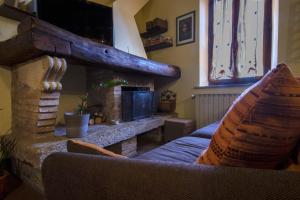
x,y
110,99
36,91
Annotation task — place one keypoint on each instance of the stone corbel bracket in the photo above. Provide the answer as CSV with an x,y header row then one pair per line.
x,y
36,90
56,69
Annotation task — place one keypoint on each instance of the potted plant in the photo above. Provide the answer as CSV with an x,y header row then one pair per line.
x,y
77,123
6,148
110,83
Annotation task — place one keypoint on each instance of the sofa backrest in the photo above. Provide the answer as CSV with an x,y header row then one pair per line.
x,y
71,176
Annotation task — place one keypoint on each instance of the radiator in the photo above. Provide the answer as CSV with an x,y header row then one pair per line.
x,y
212,107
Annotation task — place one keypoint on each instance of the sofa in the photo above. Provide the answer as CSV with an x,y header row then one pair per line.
x,y
168,172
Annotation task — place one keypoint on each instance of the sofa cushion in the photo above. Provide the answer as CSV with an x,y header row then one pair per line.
x,y
207,131
77,146
182,150
293,167
262,126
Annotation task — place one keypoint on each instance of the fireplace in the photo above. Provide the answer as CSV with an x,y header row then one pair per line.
x,y
36,90
137,103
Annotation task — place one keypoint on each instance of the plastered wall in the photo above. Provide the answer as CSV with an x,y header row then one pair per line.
x,y
186,56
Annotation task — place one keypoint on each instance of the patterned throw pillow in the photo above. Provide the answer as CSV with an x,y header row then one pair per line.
x,y
262,126
77,146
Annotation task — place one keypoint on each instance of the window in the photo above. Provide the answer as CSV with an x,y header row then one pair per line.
x,y
240,40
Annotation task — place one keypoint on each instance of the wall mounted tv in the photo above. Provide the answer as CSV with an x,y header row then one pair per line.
x,y
81,17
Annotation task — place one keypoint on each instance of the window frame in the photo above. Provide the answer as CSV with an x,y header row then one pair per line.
x,y
267,43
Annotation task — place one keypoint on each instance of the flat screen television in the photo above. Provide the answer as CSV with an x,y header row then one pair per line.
x,y
81,17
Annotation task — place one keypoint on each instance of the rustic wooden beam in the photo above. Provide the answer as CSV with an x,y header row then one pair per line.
x,y
18,49
37,36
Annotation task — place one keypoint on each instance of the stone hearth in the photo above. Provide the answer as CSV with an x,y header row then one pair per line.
x,y
34,148
36,92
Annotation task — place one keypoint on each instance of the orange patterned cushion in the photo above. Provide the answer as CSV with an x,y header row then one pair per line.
x,y
262,126
77,146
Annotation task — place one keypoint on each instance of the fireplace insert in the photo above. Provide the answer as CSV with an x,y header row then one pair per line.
x,y
137,103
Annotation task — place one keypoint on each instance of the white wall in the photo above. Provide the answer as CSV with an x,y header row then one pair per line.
x,y
126,33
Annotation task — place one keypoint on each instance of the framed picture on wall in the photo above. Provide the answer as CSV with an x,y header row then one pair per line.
x,y
185,29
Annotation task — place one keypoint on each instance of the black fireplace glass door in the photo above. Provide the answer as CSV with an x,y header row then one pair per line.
x,y
142,102
137,105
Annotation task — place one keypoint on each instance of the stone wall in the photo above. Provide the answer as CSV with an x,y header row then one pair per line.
x,y
110,99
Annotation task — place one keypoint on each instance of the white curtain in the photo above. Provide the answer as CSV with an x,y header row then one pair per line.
x,y
250,29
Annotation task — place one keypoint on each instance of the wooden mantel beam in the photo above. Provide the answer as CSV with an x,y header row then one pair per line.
x,y
36,38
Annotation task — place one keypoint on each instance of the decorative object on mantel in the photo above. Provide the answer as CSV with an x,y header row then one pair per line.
x,y
167,101
152,39
6,148
77,123
185,29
